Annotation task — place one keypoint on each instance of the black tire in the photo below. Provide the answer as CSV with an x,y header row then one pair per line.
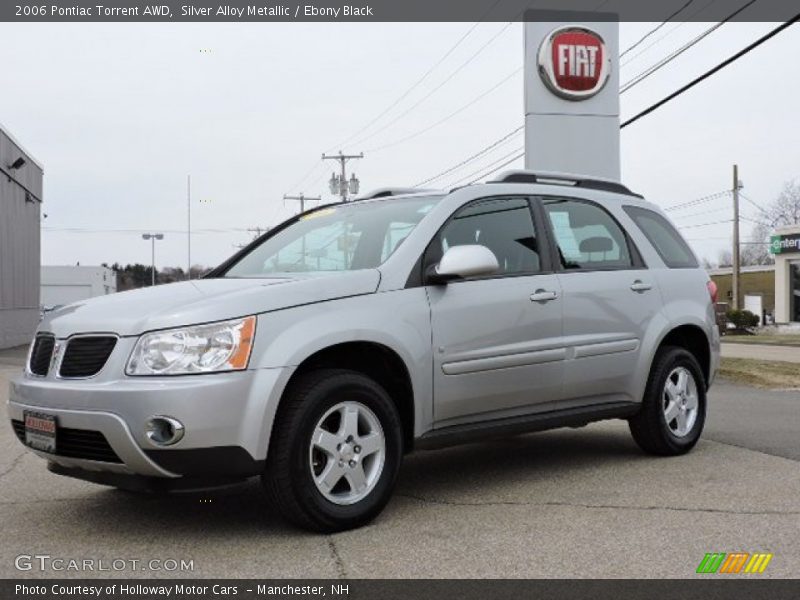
x,y
288,478
649,426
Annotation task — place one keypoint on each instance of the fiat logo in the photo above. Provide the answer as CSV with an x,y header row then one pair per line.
x,y
574,63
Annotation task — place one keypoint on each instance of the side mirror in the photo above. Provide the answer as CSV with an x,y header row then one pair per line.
x,y
464,261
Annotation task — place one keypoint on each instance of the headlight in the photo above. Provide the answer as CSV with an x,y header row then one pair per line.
x,y
211,348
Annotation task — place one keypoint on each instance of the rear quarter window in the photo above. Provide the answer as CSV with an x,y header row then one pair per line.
x,y
669,244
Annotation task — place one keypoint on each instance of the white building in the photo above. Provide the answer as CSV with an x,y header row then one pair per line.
x,y
67,284
20,214
785,246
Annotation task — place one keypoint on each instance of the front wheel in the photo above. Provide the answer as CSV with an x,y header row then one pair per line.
x,y
674,405
335,453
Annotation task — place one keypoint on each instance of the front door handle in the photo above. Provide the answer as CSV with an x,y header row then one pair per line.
x,y
641,286
543,296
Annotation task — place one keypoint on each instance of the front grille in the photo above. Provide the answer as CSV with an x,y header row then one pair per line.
x,y
77,443
86,356
41,354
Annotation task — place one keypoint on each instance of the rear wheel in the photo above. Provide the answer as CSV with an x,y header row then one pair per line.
x,y
335,451
674,405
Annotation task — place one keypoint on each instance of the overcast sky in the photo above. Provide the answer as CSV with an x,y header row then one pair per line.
x,y
119,115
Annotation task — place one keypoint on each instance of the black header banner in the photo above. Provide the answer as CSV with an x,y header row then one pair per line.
x,y
711,587
368,11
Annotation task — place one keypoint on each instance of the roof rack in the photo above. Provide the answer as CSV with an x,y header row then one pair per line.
x,y
392,191
579,181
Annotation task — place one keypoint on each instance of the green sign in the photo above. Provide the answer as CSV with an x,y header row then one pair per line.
x,y
784,244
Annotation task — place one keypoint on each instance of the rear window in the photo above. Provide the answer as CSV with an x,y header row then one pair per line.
x,y
669,244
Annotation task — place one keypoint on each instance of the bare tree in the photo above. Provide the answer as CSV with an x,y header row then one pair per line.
x,y
708,264
786,209
725,259
756,252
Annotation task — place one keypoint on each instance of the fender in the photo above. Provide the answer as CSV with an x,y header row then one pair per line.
x,y
399,320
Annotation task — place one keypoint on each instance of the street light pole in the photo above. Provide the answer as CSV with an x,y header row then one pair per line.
x,y
188,226
153,237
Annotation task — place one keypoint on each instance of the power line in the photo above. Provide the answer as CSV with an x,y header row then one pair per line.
x,y
317,165
138,231
437,88
472,157
707,224
704,212
670,57
448,117
758,206
652,31
417,83
711,71
754,221
680,24
697,201
703,77
493,166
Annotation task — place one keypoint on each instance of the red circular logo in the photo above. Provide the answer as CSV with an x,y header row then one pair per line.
x,y
574,62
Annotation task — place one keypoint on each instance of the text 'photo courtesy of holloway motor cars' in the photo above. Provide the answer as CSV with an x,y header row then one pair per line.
x,y
403,300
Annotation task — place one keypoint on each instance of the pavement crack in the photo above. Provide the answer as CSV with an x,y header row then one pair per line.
x,y
597,506
14,464
341,572
743,447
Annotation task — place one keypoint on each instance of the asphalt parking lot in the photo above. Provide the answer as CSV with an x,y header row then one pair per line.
x,y
566,503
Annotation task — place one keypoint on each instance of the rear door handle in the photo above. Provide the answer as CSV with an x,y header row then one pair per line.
x,y
641,286
543,296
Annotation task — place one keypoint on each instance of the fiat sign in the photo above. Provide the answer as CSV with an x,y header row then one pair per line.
x,y
574,62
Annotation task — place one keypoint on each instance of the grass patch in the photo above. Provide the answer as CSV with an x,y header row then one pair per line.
x,y
771,340
761,373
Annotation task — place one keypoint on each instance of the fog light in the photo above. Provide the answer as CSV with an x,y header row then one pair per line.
x,y
163,431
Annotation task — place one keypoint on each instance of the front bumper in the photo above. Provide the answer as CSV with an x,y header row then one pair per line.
x,y
227,419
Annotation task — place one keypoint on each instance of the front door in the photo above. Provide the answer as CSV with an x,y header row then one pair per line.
x,y
497,347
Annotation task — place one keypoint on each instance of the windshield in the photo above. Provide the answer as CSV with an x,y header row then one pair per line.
x,y
337,238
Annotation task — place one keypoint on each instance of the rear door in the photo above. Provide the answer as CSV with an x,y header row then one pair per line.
x,y
609,297
497,347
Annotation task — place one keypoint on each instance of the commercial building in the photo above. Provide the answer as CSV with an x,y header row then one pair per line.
x,y
771,291
67,284
756,289
785,246
20,253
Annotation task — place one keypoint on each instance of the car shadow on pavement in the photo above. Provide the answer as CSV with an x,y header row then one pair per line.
x,y
244,510
529,457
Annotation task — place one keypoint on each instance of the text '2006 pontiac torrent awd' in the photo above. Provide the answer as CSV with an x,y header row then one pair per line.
x,y
354,333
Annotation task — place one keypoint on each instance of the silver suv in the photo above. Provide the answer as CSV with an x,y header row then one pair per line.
x,y
354,333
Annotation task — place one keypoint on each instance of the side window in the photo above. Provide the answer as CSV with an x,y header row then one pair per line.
x,y
504,225
587,236
669,244
395,235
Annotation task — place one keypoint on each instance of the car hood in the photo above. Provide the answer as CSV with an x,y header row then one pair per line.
x,y
203,301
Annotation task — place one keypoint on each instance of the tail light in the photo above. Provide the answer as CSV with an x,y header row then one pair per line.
x,y
712,291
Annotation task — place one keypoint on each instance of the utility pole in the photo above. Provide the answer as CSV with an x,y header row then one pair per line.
x,y
737,185
258,231
302,198
339,183
255,230
189,226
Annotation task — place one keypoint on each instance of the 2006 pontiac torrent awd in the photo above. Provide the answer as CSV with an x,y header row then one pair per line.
x,y
354,333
